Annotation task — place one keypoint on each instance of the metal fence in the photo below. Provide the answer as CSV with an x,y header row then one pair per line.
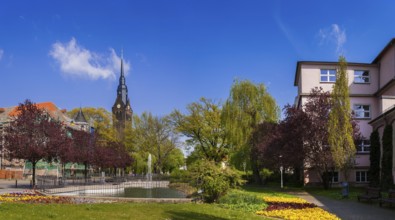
x,y
100,186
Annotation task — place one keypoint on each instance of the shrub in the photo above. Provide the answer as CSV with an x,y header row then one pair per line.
x,y
386,161
265,174
374,170
237,200
179,176
213,180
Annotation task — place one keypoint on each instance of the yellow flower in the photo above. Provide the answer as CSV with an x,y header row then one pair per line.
x,y
284,200
300,214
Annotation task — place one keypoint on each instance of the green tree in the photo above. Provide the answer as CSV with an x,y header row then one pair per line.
x,y
374,169
340,131
174,161
248,105
213,180
101,119
203,127
387,180
155,135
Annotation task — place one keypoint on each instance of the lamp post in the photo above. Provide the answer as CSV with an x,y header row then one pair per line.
x,y
281,171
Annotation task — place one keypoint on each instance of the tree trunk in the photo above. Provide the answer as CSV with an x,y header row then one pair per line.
x,y
86,171
325,179
34,174
255,171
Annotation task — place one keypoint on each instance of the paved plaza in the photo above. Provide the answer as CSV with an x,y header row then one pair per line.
x,y
351,210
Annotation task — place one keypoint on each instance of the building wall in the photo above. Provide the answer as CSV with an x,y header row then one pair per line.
x,y
363,88
387,66
310,78
360,93
387,99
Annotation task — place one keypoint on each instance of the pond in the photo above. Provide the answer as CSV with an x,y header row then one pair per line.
x,y
129,192
151,193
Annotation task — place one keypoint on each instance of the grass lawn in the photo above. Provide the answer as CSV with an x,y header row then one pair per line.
x,y
335,193
135,211
264,191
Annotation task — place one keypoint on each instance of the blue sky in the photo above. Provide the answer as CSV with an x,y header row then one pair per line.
x,y
176,51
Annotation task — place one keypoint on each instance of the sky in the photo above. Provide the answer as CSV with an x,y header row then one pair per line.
x,y
176,51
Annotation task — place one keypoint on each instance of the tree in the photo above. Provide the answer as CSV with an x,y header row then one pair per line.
x,y
101,119
247,106
387,180
291,136
203,127
213,180
265,145
33,135
374,169
318,155
83,149
340,137
174,161
155,135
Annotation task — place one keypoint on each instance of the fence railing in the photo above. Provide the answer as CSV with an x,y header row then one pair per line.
x,y
96,185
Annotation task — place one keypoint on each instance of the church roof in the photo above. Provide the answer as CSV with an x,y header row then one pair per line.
x,y
80,117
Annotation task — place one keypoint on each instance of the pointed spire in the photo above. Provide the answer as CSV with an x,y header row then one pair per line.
x,y
122,91
122,75
80,117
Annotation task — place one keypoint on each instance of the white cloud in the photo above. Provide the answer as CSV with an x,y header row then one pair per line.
x,y
334,34
77,61
1,53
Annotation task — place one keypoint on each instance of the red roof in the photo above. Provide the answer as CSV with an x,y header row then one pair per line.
x,y
48,106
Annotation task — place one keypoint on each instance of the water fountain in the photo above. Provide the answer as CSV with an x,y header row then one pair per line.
x,y
149,173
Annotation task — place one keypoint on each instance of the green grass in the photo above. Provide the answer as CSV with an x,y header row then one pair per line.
x,y
135,211
335,193
266,191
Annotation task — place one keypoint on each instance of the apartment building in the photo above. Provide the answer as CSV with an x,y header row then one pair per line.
x,y
372,98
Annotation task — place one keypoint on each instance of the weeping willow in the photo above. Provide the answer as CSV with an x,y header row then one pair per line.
x,y
247,106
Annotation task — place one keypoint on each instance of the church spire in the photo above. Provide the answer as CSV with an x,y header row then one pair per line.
x,y
122,63
122,90
122,111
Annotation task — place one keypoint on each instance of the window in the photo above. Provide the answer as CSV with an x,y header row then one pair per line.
x,y
328,75
361,176
335,177
362,111
363,146
361,76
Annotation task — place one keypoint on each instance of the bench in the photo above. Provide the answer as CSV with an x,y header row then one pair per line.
x,y
370,194
390,199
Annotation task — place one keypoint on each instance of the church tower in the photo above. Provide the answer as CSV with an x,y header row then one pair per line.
x,y
121,110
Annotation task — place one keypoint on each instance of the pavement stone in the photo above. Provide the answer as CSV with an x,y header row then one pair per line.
x,y
7,186
351,210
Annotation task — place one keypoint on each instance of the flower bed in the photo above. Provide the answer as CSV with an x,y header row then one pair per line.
x,y
33,197
294,208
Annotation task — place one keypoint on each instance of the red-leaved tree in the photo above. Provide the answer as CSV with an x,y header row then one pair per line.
x,y
33,135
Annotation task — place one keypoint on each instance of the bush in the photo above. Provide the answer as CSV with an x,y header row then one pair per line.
x,y
179,176
212,180
237,200
265,174
386,162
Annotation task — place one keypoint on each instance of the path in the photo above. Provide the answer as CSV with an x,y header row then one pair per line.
x,y
350,210
7,186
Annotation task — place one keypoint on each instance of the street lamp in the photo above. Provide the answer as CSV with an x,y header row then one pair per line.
x,y
281,171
